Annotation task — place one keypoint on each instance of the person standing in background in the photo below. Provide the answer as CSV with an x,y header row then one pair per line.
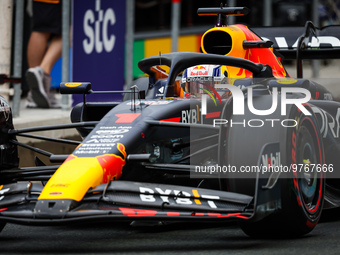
x,y
43,51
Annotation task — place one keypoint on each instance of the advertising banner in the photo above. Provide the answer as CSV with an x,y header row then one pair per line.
x,y
98,46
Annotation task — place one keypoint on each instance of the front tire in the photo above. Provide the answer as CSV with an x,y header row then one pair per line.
x,y
302,190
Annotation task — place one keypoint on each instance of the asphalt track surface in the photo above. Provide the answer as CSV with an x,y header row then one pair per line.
x,y
182,238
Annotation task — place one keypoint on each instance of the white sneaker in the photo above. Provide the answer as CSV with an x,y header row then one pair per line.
x,y
54,101
35,78
29,101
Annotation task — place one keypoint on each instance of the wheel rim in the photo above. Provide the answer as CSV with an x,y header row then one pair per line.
x,y
309,179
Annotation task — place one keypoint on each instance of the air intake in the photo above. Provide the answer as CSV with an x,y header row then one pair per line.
x,y
217,42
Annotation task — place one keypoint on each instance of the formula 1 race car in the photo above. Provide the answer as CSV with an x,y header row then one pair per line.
x,y
221,135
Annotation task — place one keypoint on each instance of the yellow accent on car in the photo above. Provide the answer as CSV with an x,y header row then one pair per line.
x,y
286,81
73,179
72,84
195,192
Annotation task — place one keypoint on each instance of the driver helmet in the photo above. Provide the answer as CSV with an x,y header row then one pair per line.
x,y
197,79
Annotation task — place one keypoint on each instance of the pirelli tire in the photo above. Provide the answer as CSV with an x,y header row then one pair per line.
x,y
244,141
301,195
303,189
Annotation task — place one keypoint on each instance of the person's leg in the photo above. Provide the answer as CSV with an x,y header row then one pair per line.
x,y
43,52
52,54
36,48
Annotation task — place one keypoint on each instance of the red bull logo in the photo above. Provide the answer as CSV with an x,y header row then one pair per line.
x,y
78,174
112,165
199,70
199,67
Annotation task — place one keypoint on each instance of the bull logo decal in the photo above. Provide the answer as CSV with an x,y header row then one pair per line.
x,y
112,164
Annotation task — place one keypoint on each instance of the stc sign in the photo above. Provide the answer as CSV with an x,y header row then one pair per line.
x,y
95,30
98,46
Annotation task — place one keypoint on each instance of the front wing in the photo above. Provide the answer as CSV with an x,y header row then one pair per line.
x,y
123,200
